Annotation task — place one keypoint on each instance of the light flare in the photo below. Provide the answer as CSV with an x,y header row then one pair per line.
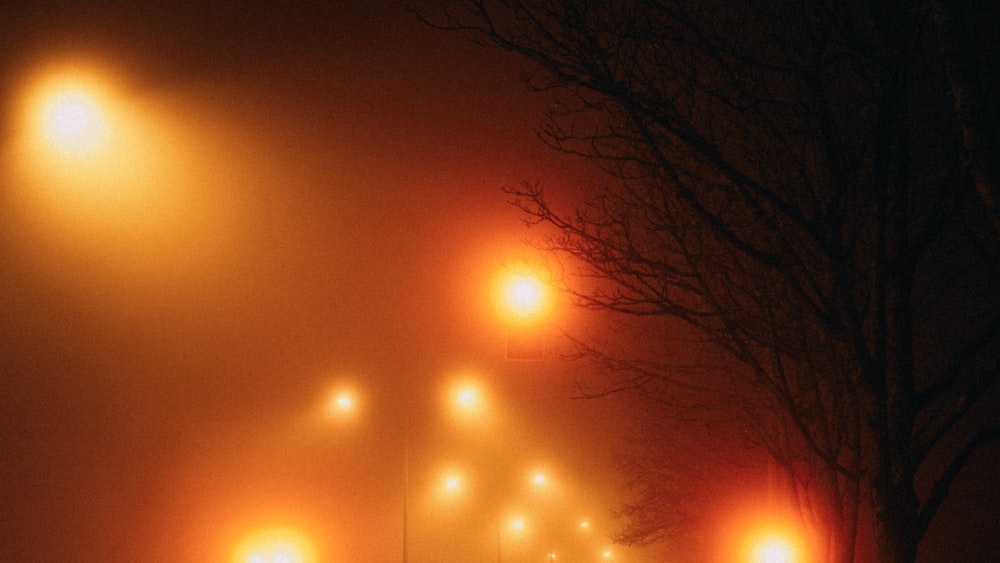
x,y
522,296
774,549
276,545
73,121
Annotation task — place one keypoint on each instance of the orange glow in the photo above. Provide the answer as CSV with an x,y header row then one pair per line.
x,y
73,121
773,550
773,545
521,295
276,545
453,482
466,399
83,140
102,175
342,402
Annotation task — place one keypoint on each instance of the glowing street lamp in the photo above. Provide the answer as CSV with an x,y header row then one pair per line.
x,y
90,158
538,479
342,403
523,300
774,549
452,483
276,545
73,122
524,295
515,526
521,296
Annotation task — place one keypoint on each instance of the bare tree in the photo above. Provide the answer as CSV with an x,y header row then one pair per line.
x,y
789,179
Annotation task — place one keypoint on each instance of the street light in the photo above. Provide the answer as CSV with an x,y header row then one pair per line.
x,y
342,403
276,545
521,295
73,121
97,168
774,549
775,543
523,300
513,525
467,400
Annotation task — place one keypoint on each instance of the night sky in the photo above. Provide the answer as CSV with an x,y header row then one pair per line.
x,y
308,199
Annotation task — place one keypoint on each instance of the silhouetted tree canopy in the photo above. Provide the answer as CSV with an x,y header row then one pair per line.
x,y
811,188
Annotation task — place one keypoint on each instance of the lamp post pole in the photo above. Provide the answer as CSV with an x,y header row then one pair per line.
x,y
406,495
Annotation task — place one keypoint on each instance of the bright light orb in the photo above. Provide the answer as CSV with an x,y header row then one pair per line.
x,y
774,550
342,403
467,401
72,121
467,398
521,296
524,295
277,545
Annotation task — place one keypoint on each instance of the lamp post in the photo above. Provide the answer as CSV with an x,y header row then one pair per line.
x,y
406,496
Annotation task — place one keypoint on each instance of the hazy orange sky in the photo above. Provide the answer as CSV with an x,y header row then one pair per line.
x,y
307,198
302,199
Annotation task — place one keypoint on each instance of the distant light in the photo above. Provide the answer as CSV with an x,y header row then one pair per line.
x,y
584,524
539,479
73,122
774,549
342,402
276,545
524,295
521,296
467,401
467,397
518,524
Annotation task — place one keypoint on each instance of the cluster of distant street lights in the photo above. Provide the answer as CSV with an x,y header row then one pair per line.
x,y
466,398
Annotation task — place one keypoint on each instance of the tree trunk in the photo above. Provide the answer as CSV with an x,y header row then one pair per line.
x,y
896,523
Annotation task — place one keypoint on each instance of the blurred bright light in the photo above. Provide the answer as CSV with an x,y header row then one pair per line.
x,y
467,401
72,120
774,549
276,545
521,296
467,398
540,480
524,295
342,402
100,172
